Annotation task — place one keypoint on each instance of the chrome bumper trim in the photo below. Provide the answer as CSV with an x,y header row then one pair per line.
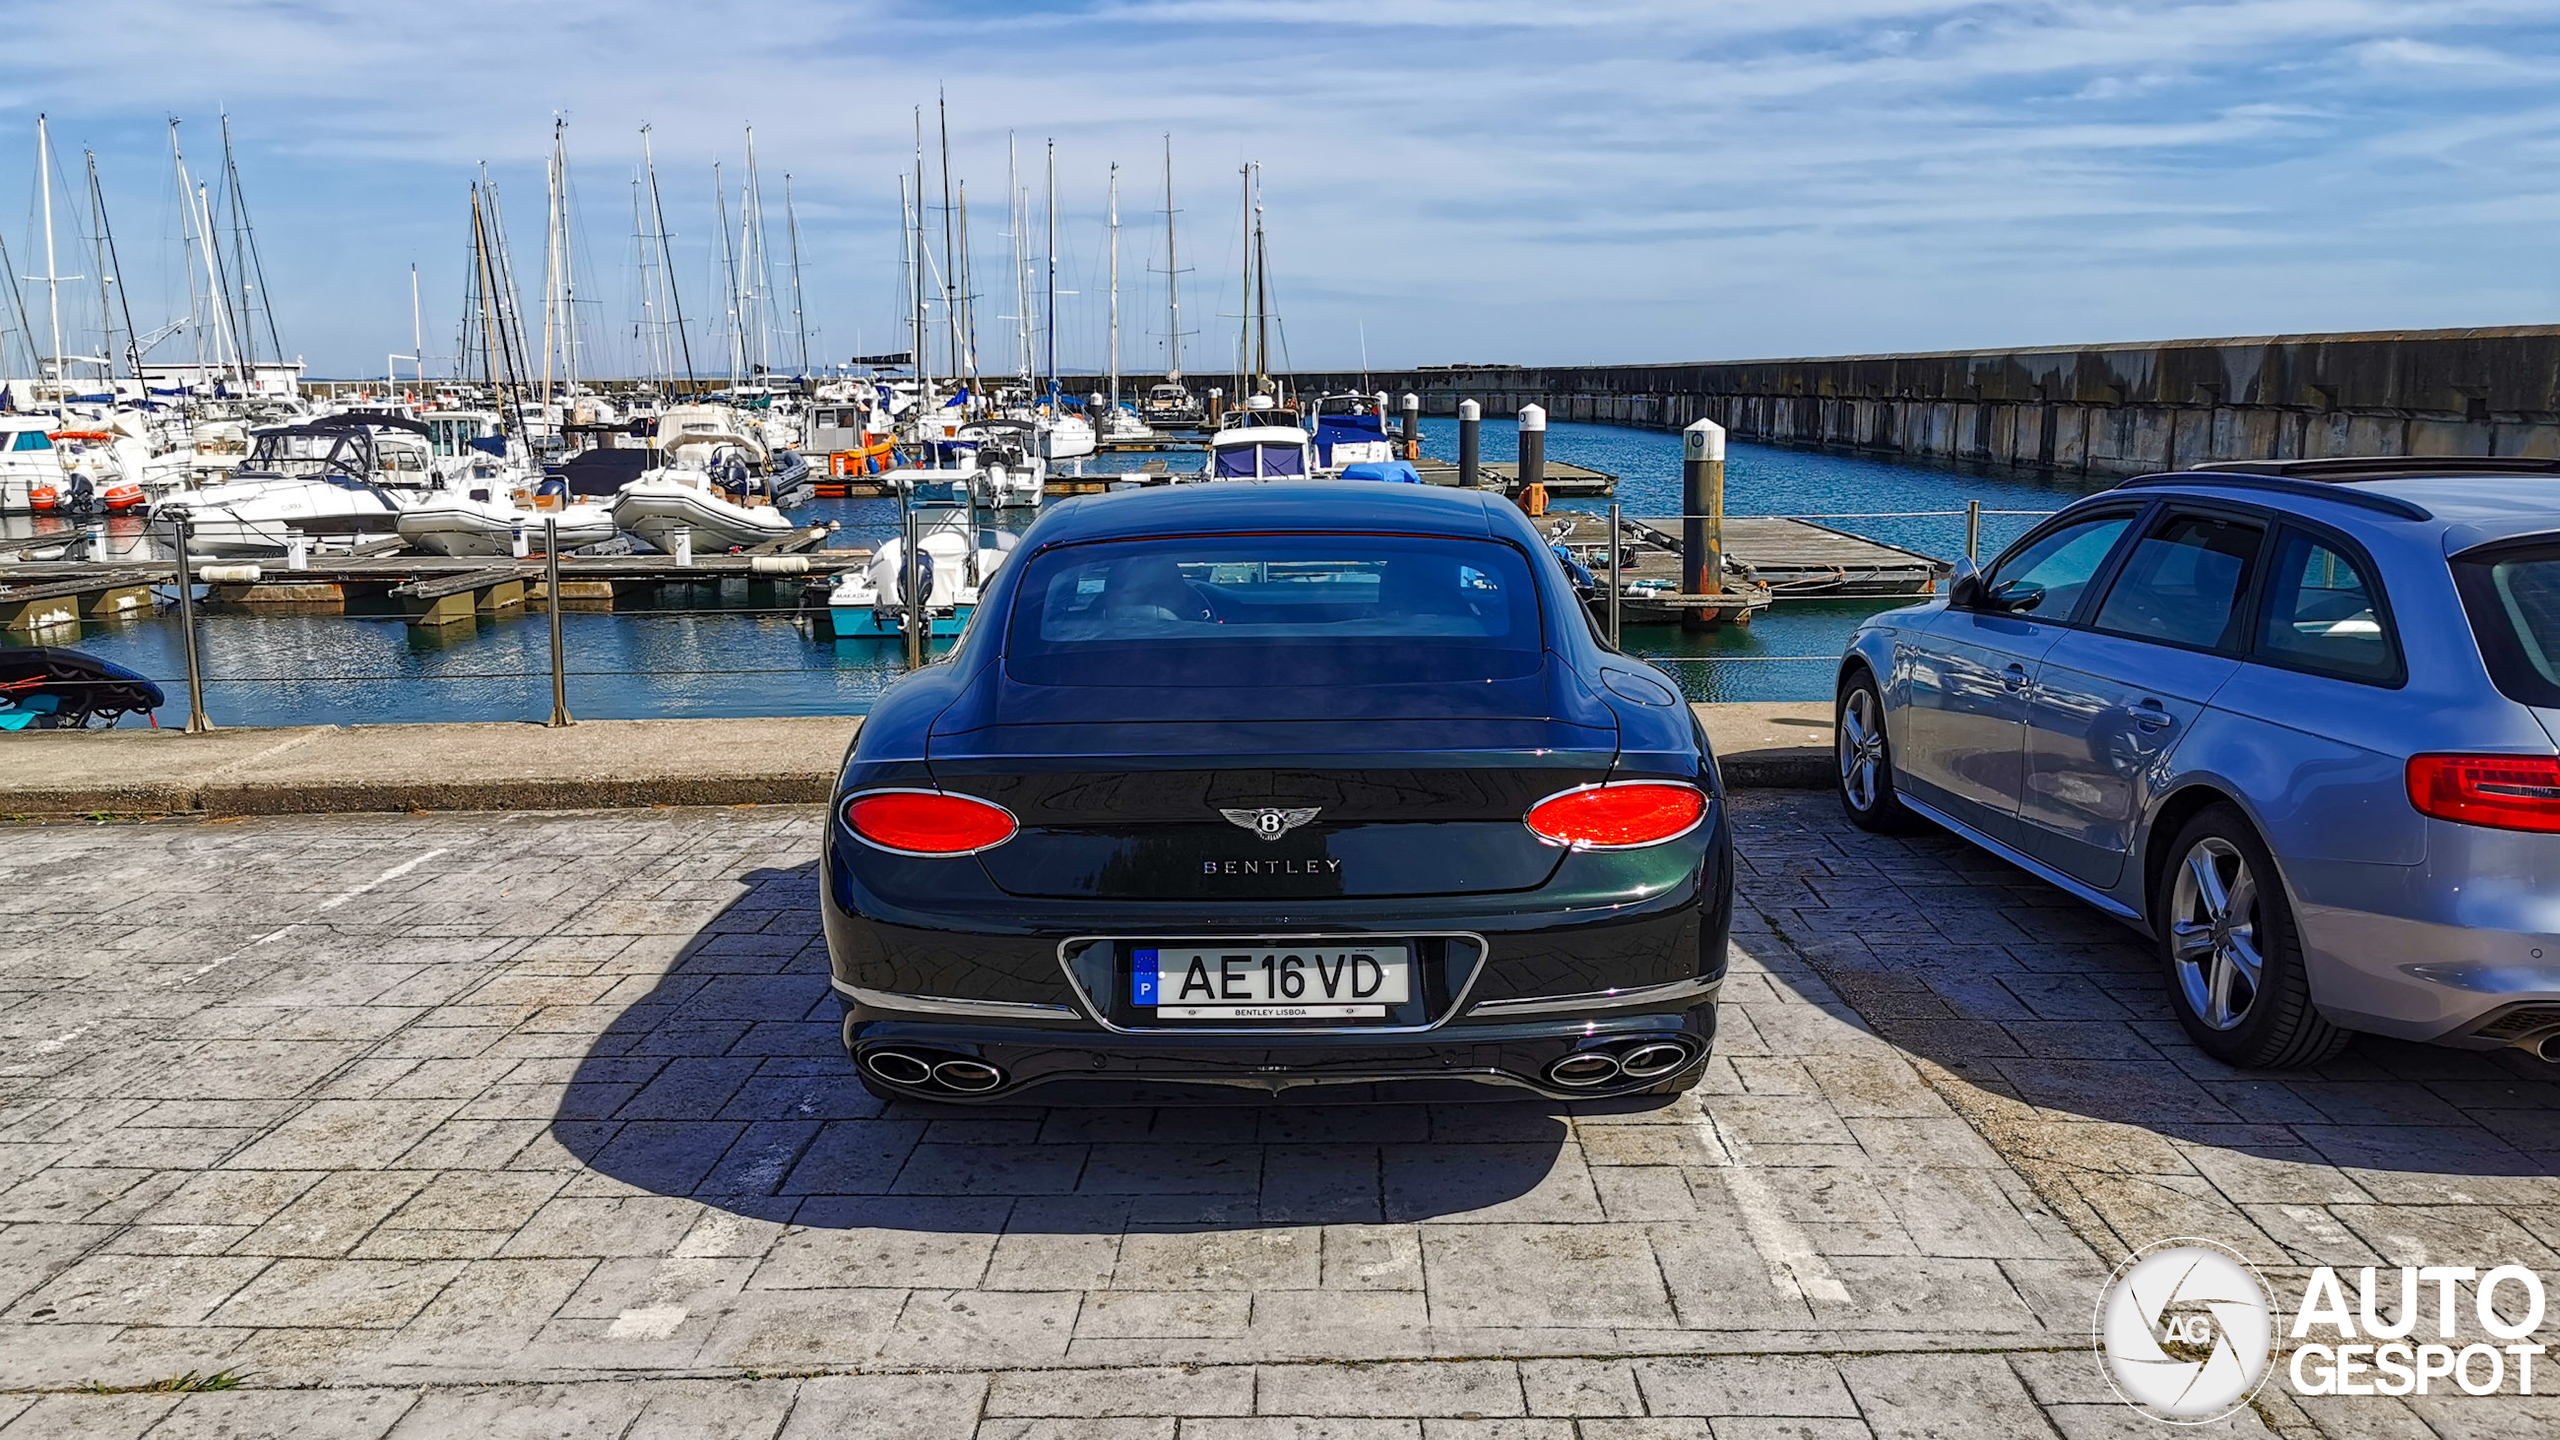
x,y
941,1005
1680,992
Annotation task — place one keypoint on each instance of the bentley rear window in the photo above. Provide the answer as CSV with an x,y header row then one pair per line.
x,y
1275,610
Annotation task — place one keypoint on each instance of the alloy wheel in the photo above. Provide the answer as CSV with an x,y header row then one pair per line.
x,y
2213,932
1861,743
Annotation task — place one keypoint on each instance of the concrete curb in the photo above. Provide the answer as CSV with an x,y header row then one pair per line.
x,y
595,765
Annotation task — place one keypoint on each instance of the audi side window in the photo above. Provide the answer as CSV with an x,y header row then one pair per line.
x,y
2182,584
2060,564
2322,614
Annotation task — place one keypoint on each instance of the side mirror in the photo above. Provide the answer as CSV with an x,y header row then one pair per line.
x,y
2017,597
1964,591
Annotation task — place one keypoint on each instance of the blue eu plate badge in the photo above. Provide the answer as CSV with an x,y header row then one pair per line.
x,y
1142,977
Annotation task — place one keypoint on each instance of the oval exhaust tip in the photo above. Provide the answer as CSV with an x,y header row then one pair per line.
x,y
1654,1060
897,1067
972,1076
1584,1068
2548,1047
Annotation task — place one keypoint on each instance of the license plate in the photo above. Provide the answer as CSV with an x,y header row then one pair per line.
x,y
1265,982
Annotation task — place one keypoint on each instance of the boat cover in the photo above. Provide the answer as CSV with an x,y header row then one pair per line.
x,y
1397,470
48,687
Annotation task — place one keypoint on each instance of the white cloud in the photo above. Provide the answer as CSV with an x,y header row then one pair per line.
x,y
1627,179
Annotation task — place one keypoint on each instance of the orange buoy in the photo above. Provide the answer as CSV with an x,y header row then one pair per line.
x,y
42,498
123,495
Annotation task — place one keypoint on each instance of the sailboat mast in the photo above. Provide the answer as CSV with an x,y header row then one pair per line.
x,y
417,328
968,297
924,384
1261,291
799,314
728,264
950,263
52,278
1172,277
551,258
1244,288
1053,268
666,259
1018,209
111,272
1115,284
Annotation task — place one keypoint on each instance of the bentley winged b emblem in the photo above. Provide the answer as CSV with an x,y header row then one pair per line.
x,y
1270,822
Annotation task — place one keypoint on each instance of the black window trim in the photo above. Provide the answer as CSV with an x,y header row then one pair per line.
x,y
2357,554
2245,603
2139,508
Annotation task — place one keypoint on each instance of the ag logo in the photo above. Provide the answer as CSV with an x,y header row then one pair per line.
x,y
2185,1328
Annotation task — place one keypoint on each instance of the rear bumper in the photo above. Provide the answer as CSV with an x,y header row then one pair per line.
x,y
1127,1067
2463,949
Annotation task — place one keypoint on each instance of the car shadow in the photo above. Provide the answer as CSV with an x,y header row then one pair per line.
x,y
727,1084
2022,990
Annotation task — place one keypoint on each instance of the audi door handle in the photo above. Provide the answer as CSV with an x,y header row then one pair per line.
x,y
2150,715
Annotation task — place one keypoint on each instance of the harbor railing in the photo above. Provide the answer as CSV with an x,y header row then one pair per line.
x,y
198,679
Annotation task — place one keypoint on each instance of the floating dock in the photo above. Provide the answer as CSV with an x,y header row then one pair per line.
x,y
431,590
1800,558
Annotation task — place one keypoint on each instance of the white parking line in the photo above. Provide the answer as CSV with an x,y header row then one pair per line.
x,y
332,903
1793,1262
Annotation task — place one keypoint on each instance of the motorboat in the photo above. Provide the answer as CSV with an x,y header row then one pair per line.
x,y
489,519
32,478
1171,406
343,478
704,491
960,558
1260,442
1351,429
1120,423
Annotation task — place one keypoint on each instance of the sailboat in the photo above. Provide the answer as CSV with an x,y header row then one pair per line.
x,y
1170,405
1262,439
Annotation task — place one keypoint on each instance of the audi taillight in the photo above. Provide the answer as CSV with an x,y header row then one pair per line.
x,y
2506,792
1621,816
925,822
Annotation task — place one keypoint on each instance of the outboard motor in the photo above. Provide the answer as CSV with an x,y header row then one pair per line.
x,y
923,572
84,496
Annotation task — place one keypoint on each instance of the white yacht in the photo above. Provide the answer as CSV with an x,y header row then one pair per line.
x,y
704,486
342,478
1263,441
31,473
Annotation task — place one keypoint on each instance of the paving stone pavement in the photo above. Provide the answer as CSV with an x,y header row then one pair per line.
x,y
501,1125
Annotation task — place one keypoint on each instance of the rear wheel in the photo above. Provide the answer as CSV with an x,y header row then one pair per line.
x,y
1865,771
2232,955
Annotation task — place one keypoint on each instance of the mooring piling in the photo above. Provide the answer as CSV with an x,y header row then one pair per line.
x,y
1702,508
1533,449
1470,435
1412,407
197,723
551,602
1615,589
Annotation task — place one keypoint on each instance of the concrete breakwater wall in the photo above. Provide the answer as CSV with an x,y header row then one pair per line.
x,y
2100,410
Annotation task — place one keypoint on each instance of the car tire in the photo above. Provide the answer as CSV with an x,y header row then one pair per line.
x,y
1863,760
2230,951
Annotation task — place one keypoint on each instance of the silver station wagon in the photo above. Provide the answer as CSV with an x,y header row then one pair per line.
x,y
2299,721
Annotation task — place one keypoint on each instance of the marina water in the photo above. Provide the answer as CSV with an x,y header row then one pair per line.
x,y
272,666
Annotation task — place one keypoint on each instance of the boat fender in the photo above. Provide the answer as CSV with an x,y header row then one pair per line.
x,y
778,565
228,574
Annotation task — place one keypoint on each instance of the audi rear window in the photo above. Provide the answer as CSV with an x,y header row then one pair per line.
x,y
2513,598
1275,610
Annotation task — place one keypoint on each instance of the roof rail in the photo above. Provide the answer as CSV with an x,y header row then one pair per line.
x,y
2347,469
2287,485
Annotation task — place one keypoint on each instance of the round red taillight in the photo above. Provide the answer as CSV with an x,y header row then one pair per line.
x,y
1620,816
925,822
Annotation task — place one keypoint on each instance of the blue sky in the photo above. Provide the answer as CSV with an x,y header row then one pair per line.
x,y
1454,180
